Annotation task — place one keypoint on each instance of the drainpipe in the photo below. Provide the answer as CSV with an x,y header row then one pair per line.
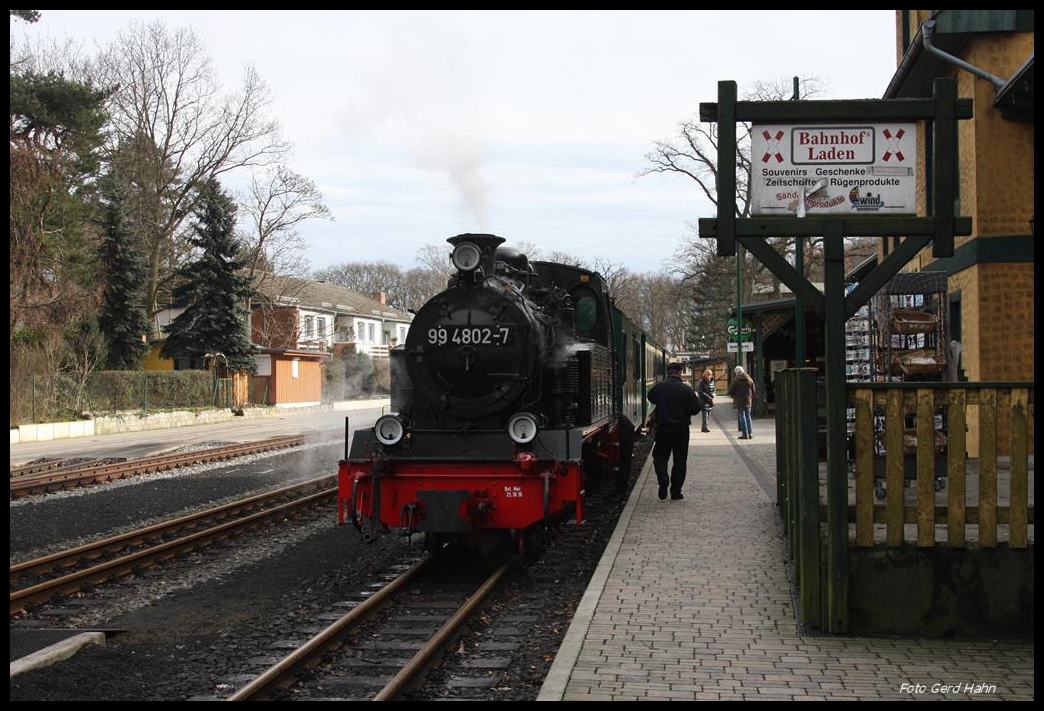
x,y
926,31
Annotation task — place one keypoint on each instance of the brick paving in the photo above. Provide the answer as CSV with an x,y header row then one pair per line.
x,y
692,602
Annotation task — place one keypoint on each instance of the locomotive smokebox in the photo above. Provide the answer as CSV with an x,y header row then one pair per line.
x,y
476,350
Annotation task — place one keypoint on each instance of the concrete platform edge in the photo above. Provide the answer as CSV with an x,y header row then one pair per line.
x,y
56,652
557,678
133,422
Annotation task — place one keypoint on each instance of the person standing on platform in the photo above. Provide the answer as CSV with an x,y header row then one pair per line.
x,y
743,391
705,393
676,403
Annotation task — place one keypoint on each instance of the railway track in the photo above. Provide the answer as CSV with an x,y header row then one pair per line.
x,y
69,571
427,617
42,465
30,480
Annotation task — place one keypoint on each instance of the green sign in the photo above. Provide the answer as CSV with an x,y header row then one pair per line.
x,y
745,335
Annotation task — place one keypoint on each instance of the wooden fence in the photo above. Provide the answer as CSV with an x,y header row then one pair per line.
x,y
925,402
885,454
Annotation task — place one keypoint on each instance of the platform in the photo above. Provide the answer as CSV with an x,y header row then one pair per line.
x,y
152,442
692,601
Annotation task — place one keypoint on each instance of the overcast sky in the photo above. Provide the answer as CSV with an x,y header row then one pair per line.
x,y
418,126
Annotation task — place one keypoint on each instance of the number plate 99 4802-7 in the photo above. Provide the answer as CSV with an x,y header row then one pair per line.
x,y
494,335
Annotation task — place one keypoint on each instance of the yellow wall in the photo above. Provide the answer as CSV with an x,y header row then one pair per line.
x,y
154,362
996,190
996,154
1003,170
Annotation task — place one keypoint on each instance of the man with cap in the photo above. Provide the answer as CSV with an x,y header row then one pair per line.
x,y
675,403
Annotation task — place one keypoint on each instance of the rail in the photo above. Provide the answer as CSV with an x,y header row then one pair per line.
x,y
57,478
150,544
279,673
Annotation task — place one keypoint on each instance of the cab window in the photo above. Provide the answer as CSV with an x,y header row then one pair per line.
x,y
586,313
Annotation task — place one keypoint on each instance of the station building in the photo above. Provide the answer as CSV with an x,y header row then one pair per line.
x,y
990,276
990,288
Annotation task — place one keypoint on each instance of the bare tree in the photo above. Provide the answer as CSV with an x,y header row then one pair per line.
x,y
277,201
694,154
435,258
85,351
709,280
560,257
420,284
366,278
272,312
430,276
621,281
168,94
708,290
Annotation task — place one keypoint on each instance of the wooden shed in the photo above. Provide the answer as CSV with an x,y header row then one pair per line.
x,y
289,377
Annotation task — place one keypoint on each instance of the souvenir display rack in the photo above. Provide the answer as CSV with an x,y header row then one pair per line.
x,y
909,342
911,329
859,354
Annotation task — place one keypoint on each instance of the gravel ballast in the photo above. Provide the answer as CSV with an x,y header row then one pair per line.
x,y
195,625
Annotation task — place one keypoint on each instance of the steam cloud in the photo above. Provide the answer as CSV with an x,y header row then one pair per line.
x,y
460,156
427,108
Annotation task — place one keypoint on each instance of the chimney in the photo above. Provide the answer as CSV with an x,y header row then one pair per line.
x,y
380,297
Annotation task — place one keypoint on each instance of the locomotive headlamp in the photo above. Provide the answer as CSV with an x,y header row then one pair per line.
x,y
389,429
522,428
466,256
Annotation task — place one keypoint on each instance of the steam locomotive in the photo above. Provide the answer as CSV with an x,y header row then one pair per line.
x,y
515,388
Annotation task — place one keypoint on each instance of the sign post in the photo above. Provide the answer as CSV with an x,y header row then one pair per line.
x,y
865,151
800,337
845,169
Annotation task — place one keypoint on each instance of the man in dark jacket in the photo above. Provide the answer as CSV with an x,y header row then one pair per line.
x,y
675,404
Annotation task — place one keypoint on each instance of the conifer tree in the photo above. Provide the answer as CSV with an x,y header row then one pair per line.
x,y
213,289
122,318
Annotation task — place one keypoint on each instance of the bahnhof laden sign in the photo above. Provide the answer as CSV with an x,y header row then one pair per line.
x,y
852,169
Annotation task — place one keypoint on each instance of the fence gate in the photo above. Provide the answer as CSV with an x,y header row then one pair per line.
x,y
222,392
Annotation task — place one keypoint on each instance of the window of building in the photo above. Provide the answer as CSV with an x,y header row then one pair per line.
x,y
307,333
189,364
373,337
320,328
360,333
